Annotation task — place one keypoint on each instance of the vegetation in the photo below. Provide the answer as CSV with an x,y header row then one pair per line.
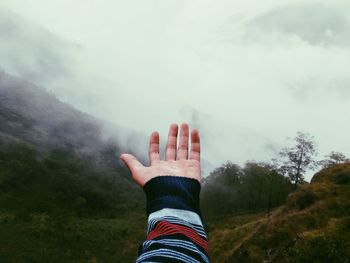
x,y
56,208
333,158
230,189
313,226
296,160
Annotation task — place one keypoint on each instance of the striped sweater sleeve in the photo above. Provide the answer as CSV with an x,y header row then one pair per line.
x,y
175,232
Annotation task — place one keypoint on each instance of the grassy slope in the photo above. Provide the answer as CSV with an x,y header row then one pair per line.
x,y
228,234
47,239
314,226
56,209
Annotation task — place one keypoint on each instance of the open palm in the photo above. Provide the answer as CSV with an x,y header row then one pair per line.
x,y
176,163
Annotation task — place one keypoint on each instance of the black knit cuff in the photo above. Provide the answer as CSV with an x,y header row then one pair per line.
x,y
168,191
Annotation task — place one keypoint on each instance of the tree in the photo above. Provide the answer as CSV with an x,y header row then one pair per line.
x,y
267,188
228,174
220,190
333,158
230,189
299,158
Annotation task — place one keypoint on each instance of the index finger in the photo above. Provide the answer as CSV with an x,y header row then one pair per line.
x,y
153,151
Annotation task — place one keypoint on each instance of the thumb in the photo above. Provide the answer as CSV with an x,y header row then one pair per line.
x,y
131,162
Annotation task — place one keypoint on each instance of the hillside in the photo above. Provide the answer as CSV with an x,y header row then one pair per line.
x,y
64,197
58,209
33,115
313,226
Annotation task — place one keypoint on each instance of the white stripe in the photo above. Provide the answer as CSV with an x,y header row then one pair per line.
x,y
186,215
176,243
173,219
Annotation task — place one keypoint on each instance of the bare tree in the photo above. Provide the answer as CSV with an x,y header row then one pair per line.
x,y
333,158
299,158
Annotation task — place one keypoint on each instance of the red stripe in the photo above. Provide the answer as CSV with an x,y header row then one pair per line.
x,y
166,228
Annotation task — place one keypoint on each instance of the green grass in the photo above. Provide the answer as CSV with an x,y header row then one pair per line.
x,y
47,239
228,233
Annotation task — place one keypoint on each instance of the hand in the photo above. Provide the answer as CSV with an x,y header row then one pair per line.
x,y
176,162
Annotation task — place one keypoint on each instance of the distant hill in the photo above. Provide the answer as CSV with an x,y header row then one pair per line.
x,y
33,115
313,226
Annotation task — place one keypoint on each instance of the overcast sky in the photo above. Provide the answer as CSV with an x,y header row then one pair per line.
x,y
246,73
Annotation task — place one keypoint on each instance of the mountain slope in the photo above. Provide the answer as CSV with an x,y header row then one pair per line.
x,y
33,115
63,195
314,226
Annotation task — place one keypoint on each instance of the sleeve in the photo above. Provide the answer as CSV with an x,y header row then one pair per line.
x,y
175,232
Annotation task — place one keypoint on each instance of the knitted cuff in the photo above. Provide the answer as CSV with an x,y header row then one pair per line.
x,y
172,192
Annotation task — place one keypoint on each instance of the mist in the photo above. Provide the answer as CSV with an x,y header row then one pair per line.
x,y
246,73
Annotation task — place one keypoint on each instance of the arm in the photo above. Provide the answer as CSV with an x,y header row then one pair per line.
x,y
175,231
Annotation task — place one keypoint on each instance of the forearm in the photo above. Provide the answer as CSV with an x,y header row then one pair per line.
x,y
175,231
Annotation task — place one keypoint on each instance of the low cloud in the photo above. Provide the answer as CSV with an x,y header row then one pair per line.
x,y
315,88
315,23
246,73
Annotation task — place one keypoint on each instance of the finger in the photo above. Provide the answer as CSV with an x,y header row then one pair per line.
x,y
154,147
170,152
195,145
131,162
182,152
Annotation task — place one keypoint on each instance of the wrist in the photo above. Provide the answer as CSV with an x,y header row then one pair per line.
x,y
169,191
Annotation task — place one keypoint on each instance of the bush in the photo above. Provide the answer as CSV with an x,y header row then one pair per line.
x,y
302,199
306,199
342,177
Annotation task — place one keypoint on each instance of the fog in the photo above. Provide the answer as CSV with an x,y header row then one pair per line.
x,y
246,73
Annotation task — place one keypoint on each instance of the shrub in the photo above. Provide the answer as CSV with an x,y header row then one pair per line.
x,y
342,177
306,199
